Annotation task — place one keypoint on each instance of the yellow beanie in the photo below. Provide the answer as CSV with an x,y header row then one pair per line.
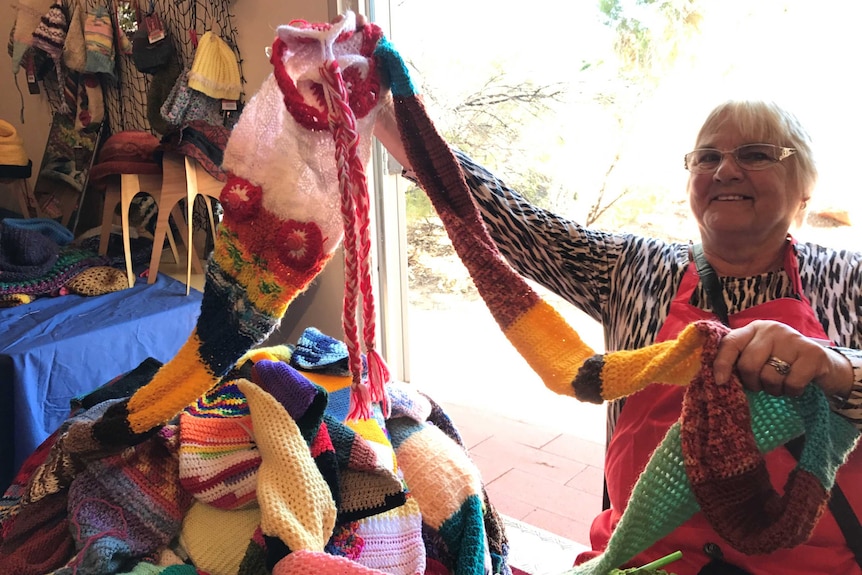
x,y
12,152
215,71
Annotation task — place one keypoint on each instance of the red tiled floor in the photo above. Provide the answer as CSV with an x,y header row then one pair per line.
x,y
535,474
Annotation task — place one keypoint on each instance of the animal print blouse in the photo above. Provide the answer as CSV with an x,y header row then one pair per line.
x,y
627,282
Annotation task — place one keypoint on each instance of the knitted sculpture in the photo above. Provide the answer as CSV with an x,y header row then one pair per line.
x,y
283,219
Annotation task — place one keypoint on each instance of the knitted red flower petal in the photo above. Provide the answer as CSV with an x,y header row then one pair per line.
x,y
301,244
240,199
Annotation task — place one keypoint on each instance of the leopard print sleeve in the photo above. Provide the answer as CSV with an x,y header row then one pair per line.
x,y
832,279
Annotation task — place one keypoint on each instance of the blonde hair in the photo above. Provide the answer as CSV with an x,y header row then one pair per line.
x,y
767,122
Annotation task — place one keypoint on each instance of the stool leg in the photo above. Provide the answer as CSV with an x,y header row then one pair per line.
x,y
129,187
163,229
112,198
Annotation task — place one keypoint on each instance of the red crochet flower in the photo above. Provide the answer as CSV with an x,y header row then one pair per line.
x,y
240,198
301,244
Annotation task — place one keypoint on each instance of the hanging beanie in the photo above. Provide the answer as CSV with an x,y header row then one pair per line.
x,y
75,47
215,71
99,38
12,152
50,37
29,15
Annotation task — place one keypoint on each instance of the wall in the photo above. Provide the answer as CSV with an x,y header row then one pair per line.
x,y
256,21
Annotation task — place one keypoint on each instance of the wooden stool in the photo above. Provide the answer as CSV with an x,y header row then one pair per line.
x,y
187,179
121,189
199,182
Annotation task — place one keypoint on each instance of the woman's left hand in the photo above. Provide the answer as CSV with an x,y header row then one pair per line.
x,y
773,357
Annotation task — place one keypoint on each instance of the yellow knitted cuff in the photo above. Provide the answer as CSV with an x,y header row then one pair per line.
x,y
177,384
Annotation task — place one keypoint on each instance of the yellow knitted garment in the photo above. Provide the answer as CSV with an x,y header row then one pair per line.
x,y
624,372
217,539
295,501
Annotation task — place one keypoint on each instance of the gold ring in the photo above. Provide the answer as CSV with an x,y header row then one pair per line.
x,y
780,365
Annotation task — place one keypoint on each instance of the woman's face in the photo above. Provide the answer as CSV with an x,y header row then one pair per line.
x,y
730,202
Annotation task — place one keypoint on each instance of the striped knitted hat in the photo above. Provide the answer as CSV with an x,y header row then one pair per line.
x,y
50,37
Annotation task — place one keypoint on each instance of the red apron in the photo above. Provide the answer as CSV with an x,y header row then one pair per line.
x,y
648,415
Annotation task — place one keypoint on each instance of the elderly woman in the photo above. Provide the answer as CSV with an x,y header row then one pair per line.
x,y
795,309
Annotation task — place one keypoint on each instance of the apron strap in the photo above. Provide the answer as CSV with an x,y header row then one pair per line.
x,y
711,284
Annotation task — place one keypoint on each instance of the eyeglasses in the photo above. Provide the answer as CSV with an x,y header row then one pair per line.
x,y
747,157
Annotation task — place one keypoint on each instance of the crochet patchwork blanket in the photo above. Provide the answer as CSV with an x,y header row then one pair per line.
x,y
263,474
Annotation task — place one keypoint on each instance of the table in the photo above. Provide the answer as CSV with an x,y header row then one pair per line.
x,y
55,349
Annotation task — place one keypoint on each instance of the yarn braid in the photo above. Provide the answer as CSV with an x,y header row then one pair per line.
x,y
357,243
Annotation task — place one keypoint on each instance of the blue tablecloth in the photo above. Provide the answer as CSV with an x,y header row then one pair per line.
x,y
55,349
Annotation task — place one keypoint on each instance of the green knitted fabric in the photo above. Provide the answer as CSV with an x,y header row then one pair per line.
x,y
663,499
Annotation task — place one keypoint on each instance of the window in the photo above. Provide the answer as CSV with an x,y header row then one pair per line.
x,y
588,108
